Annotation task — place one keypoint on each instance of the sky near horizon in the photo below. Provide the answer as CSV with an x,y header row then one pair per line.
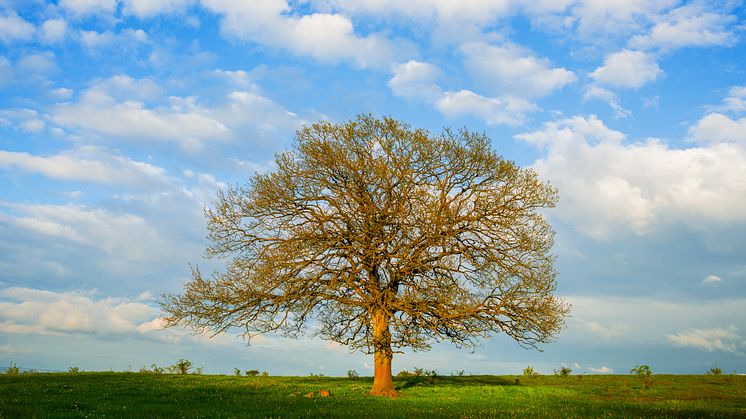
x,y
121,119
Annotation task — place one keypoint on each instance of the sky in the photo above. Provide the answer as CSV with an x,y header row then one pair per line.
x,y
121,119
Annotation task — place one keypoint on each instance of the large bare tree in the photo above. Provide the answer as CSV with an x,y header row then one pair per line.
x,y
388,237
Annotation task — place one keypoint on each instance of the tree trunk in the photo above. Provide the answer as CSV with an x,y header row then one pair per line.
x,y
383,382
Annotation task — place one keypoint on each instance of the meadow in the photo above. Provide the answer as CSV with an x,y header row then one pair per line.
x,y
122,394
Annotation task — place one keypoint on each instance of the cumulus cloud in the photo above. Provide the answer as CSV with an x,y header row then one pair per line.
x,y
609,186
53,30
712,279
736,100
723,339
151,8
599,93
134,110
416,80
325,37
43,312
688,25
606,331
719,128
500,110
89,7
87,163
601,370
511,69
15,28
631,69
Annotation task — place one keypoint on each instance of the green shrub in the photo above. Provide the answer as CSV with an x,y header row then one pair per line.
x,y
715,371
252,373
530,372
265,374
181,367
404,374
641,371
352,374
73,370
563,372
12,369
237,372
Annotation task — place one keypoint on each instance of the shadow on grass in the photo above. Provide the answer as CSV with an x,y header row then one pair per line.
x,y
450,381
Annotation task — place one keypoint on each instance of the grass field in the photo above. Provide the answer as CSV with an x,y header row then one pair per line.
x,y
150,395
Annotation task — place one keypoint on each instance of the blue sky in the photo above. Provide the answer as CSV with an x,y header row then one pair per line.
x,y
120,119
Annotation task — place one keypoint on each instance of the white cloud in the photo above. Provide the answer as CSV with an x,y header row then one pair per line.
x,y
93,40
712,279
416,80
688,25
736,100
609,187
15,28
43,312
501,110
89,7
606,331
599,93
514,70
617,17
715,339
718,128
322,36
151,8
90,164
40,64
627,68
601,370
133,110
121,235
53,30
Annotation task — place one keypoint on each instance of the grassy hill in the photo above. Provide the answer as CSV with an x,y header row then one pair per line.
x,y
164,395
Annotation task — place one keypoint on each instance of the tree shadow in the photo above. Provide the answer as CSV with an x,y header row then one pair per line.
x,y
453,381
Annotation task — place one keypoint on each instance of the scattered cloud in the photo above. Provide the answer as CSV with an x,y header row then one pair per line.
x,y
43,312
719,128
736,100
416,80
500,110
689,25
601,370
631,69
326,37
712,279
610,186
53,30
594,92
15,28
606,331
90,164
723,339
89,7
515,70
152,8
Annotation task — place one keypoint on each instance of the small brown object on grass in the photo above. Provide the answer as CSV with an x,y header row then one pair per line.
x,y
324,393
309,395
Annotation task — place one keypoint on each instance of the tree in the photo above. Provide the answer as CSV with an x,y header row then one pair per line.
x,y
388,237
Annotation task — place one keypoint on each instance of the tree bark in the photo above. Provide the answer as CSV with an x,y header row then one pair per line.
x,y
383,381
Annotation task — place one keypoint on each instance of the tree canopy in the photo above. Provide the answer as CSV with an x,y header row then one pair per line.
x,y
386,236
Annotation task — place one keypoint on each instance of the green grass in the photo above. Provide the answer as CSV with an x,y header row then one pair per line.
x,y
150,395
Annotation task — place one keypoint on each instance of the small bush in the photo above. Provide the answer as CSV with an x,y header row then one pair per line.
x,y
563,372
404,374
265,374
715,371
252,373
181,367
460,373
352,374
12,369
73,370
431,373
237,372
419,372
530,372
641,371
